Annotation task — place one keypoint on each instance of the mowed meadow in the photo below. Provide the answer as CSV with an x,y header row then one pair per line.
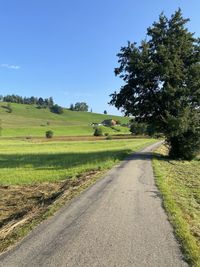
x,y
26,162
38,177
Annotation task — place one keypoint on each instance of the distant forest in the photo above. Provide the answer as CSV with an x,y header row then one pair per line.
x,y
42,102
39,101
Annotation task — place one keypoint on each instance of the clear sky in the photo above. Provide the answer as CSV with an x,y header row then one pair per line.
x,y
67,48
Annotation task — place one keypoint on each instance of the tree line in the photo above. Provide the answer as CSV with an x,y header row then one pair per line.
x,y
38,101
42,102
79,106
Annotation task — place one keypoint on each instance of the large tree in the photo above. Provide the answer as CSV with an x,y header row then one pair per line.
x,y
162,83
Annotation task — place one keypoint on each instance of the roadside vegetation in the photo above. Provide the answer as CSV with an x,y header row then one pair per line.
x,y
36,178
179,184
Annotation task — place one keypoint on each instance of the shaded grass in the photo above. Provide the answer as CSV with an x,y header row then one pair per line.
x,y
179,184
25,162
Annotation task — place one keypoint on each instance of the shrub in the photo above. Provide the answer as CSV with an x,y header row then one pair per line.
x,y
57,109
109,137
98,132
106,134
49,134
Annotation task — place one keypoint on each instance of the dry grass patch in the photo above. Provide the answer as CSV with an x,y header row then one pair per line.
x,y
24,206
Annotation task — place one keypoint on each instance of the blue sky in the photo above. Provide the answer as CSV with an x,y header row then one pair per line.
x,y
67,48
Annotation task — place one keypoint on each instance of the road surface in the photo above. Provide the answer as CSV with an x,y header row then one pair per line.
x,y
117,222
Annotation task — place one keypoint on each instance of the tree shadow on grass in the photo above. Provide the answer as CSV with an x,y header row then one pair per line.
x,y
58,161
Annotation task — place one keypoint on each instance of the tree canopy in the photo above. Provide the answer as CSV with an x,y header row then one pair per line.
x,y
41,102
162,83
81,106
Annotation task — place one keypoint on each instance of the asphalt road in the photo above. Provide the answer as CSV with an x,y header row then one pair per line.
x,y
117,222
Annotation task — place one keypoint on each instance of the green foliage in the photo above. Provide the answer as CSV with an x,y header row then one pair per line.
x,y
49,134
81,106
42,103
71,107
162,83
98,131
57,109
138,128
150,130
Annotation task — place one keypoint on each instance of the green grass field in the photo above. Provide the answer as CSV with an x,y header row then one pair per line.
x,y
38,177
28,120
179,184
23,162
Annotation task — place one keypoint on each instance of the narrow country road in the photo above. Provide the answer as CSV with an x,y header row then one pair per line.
x,y
117,222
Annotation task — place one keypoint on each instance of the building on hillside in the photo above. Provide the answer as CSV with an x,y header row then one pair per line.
x,y
109,122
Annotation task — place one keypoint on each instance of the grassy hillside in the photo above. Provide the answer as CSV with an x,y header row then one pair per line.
x,y
28,120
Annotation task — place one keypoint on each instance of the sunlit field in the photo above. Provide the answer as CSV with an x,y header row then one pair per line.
x,y
25,162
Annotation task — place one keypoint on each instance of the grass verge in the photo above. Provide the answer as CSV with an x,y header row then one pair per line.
x,y
179,184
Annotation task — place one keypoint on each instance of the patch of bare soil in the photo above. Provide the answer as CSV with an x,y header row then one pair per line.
x,y
21,204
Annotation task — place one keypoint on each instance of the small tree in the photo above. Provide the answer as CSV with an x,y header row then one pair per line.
x,y
98,132
49,134
71,107
57,109
105,112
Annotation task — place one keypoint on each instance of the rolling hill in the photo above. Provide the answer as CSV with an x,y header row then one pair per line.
x,y
28,120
